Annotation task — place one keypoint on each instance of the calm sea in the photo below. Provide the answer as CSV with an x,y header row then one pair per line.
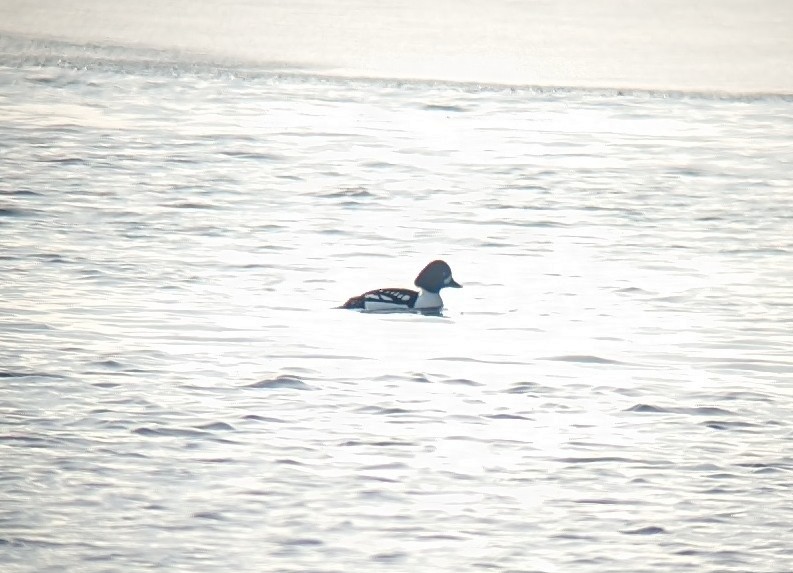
x,y
611,391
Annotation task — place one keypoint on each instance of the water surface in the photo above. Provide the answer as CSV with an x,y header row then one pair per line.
x,y
610,391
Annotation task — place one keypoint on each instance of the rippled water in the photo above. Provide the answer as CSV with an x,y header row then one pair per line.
x,y
611,391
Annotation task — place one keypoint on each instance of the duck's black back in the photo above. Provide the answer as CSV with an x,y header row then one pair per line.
x,y
399,297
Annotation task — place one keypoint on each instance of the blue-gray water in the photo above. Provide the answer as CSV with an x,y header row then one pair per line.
x,y
610,391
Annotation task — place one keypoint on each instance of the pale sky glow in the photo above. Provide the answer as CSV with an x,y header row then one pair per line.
x,y
735,45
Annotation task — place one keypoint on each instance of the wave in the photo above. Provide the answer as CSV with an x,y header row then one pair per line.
x,y
27,52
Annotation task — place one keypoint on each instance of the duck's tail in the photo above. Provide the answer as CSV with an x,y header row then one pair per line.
x,y
354,302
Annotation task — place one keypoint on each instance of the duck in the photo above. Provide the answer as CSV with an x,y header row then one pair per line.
x,y
435,276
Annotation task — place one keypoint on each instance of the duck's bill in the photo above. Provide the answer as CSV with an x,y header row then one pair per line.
x,y
454,284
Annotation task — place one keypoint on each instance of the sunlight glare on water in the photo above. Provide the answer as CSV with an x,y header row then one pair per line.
x,y
609,391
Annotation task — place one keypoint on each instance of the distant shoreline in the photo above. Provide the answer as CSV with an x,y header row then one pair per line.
x,y
743,48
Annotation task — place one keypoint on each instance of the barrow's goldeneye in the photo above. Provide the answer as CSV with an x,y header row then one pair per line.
x,y
431,280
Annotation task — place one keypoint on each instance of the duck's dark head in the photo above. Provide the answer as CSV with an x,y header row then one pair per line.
x,y
435,276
